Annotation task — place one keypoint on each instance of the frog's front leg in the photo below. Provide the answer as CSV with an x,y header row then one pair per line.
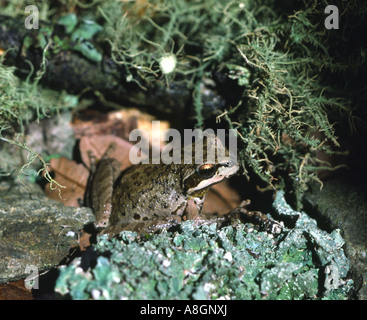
x,y
256,217
101,190
193,208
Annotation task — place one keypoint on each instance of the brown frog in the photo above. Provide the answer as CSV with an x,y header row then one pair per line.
x,y
152,193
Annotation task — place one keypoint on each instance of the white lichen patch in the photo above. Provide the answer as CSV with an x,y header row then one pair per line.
x,y
168,63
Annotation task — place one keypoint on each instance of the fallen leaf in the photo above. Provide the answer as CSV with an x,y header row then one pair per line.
x,y
15,290
71,175
118,123
99,145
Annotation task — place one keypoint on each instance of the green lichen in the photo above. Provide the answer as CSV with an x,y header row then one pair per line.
x,y
200,261
22,102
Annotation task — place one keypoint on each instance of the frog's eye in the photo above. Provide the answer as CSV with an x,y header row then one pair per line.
x,y
208,170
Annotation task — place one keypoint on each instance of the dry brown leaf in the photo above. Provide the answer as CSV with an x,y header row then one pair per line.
x,y
119,123
15,290
71,175
96,123
98,145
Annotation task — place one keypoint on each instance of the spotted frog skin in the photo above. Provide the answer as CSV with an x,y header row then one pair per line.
x,y
152,192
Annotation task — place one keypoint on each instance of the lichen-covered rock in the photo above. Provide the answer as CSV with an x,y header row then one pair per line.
x,y
200,261
342,204
35,232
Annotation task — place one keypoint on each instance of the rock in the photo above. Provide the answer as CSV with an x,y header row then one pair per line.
x,y
342,204
36,233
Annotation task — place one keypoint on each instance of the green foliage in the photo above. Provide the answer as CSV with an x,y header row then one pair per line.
x,y
80,36
284,119
199,33
200,261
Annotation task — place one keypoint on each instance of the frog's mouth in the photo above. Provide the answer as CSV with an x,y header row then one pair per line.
x,y
205,184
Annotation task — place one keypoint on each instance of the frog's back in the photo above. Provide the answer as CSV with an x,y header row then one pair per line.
x,y
146,191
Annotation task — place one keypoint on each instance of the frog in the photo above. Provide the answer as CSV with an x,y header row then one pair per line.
x,y
146,195
149,197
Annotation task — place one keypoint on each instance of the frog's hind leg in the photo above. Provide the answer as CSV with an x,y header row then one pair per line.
x,y
101,190
144,228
